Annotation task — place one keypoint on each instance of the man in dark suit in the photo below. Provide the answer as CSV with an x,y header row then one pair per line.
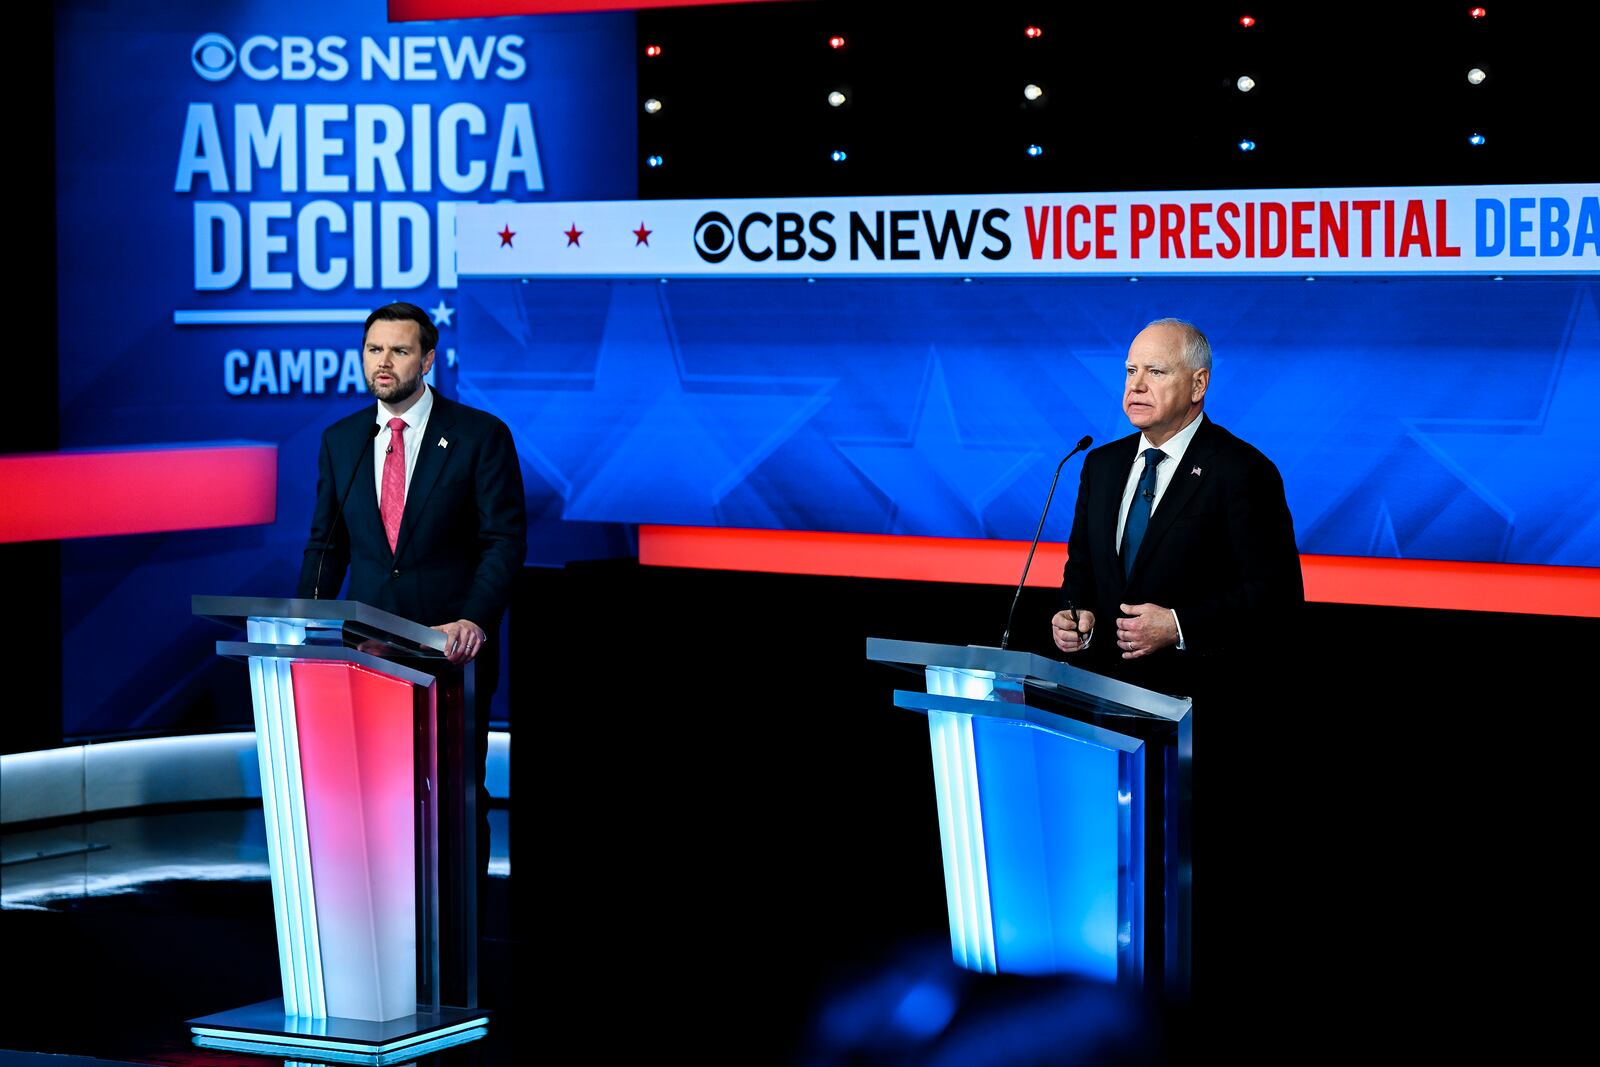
x,y
1183,576
435,527
1182,539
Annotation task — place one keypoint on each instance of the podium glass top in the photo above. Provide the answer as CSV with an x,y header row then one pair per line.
x,y
1056,683
331,624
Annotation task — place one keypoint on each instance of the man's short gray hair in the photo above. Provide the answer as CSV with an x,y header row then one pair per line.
x,y
1196,349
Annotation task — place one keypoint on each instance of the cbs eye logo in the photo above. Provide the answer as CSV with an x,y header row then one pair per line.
x,y
713,237
213,56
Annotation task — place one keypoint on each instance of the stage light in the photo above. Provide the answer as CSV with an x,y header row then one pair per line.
x,y
654,161
839,155
1247,146
1033,32
1032,92
1476,138
836,99
652,50
1035,150
836,42
1476,76
1477,12
1246,21
1245,83
651,106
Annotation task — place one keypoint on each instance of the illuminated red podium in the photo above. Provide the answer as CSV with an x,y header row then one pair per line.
x,y
368,758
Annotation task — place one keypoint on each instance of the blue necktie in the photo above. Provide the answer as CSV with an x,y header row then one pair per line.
x,y
1139,511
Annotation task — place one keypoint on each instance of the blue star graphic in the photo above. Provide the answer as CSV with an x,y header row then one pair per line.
x,y
937,483
639,437
442,314
1538,473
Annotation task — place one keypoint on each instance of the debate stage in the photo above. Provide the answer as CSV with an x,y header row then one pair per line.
x,y
736,876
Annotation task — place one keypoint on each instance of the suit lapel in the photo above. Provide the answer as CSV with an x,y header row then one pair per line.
x,y
437,448
1185,483
1121,462
361,515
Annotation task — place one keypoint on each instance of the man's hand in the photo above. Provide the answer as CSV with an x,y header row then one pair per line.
x,y
1072,635
466,640
1151,628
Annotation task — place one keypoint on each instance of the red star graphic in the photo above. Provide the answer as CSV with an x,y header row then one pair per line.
x,y
573,235
506,235
643,235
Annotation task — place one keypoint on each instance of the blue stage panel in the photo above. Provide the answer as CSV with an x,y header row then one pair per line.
x,y
1415,417
1051,826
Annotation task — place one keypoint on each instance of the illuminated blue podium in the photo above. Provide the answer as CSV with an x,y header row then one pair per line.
x,y
1063,801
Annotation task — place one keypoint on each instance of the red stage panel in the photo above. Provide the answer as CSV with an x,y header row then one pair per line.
x,y
1329,579
923,559
54,495
416,10
1436,583
356,766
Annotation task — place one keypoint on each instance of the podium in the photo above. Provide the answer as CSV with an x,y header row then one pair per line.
x,y
365,735
1063,801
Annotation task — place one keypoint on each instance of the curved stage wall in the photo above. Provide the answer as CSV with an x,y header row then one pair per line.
x,y
90,780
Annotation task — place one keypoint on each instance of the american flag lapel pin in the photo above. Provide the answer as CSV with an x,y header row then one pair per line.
x,y
446,444
1195,471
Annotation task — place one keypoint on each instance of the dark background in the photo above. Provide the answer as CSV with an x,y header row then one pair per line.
x,y
1389,824
1137,96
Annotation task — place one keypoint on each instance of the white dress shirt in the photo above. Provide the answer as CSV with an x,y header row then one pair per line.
x,y
416,427
1175,447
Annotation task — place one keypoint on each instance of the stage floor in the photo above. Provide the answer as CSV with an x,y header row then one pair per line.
x,y
125,927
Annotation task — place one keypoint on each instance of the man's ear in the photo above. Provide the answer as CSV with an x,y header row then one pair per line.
x,y
427,361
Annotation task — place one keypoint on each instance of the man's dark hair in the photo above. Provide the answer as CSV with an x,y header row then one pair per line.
x,y
402,312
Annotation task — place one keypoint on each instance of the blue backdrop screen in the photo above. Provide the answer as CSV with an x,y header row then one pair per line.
x,y
1414,417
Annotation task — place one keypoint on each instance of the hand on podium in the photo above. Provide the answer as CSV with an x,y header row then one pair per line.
x,y
466,640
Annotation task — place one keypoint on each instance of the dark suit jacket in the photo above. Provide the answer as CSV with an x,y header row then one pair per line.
x,y
463,534
1219,550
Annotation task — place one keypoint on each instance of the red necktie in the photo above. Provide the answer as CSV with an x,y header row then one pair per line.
x,y
393,503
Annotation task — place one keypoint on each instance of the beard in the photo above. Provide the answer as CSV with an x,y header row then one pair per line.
x,y
395,392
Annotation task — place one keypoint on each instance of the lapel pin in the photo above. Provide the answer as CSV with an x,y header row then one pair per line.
x,y
1195,471
446,444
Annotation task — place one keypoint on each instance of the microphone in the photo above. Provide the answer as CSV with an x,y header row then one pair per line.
x,y
338,516
1083,444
